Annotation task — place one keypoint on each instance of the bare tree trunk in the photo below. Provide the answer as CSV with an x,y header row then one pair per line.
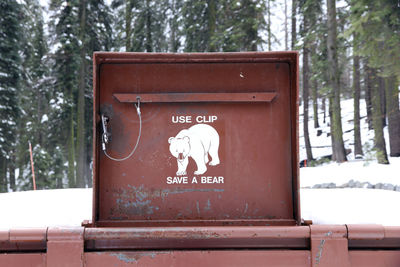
x,y
269,24
294,8
393,112
334,82
380,145
128,27
324,108
38,134
11,169
356,97
80,135
306,90
315,95
149,41
3,174
381,82
59,183
330,99
71,152
212,15
368,89
89,174
286,28
173,26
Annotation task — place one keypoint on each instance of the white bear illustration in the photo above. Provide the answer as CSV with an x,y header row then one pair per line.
x,y
196,142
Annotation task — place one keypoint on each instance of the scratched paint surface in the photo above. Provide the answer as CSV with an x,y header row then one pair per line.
x,y
255,149
199,258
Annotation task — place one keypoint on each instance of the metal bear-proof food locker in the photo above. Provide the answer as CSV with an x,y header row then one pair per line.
x,y
218,139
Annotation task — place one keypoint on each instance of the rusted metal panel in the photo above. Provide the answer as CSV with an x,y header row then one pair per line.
x,y
254,181
370,258
195,97
315,245
329,246
199,258
197,237
23,260
65,247
23,240
373,236
366,231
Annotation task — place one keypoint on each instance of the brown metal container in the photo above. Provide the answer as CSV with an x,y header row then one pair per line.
x,y
218,143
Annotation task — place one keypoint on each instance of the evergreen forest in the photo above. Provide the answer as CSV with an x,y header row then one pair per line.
x,y
349,49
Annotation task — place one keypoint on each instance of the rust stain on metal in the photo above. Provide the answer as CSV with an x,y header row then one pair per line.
x,y
208,206
319,253
246,208
135,257
198,208
320,248
142,193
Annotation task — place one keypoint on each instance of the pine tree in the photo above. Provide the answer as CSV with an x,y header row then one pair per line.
x,y
240,25
140,25
311,11
10,78
34,99
377,25
95,34
368,90
338,152
305,30
195,25
356,96
122,24
294,26
80,114
392,100
64,28
174,22
149,26
379,144
286,27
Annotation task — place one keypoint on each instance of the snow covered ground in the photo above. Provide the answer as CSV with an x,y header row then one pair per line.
x,y
69,207
41,208
366,170
341,174
350,206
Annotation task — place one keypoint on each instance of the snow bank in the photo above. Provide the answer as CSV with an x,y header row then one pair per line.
x,y
69,207
41,208
360,171
350,206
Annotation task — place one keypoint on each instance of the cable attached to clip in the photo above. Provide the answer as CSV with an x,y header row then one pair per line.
x,y
105,135
138,105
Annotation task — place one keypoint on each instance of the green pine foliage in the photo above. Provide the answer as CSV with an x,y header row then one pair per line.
x,y
224,25
34,98
195,25
241,25
175,29
149,27
377,24
10,81
65,30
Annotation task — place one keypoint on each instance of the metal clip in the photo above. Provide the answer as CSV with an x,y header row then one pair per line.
x,y
138,105
104,139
